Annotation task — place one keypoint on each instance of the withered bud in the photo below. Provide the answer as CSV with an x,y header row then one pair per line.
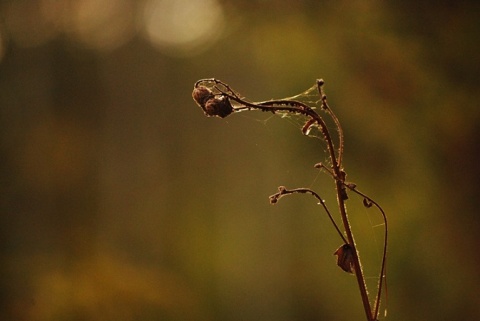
x,y
201,95
318,165
351,185
273,199
220,107
367,203
306,128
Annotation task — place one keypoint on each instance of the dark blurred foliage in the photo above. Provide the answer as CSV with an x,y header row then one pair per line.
x,y
121,201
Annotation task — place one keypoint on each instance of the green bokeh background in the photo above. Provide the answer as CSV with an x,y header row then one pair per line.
x,y
121,201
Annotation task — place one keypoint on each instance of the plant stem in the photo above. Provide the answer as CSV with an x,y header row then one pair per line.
x,y
357,264
339,186
339,176
217,102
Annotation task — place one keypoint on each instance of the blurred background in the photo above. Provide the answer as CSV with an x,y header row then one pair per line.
x,y
121,201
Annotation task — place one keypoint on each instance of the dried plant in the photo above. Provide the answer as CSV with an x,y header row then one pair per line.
x,y
217,98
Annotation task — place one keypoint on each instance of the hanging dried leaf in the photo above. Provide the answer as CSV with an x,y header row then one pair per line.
x,y
345,258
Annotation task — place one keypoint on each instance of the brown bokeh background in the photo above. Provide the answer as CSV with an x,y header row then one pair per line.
x,y
121,201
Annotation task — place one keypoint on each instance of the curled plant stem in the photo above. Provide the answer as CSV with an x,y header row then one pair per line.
x,y
217,98
368,202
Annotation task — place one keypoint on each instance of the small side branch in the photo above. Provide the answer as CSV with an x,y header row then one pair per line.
x,y
283,191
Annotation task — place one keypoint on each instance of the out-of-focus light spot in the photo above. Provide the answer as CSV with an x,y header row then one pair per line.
x,y
103,25
183,27
30,23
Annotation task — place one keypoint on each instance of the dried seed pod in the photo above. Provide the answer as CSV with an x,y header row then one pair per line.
x,y
345,258
201,95
220,107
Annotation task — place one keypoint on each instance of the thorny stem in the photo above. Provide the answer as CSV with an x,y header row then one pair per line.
x,y
339,186
335,119
217,102
357,264
368,202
